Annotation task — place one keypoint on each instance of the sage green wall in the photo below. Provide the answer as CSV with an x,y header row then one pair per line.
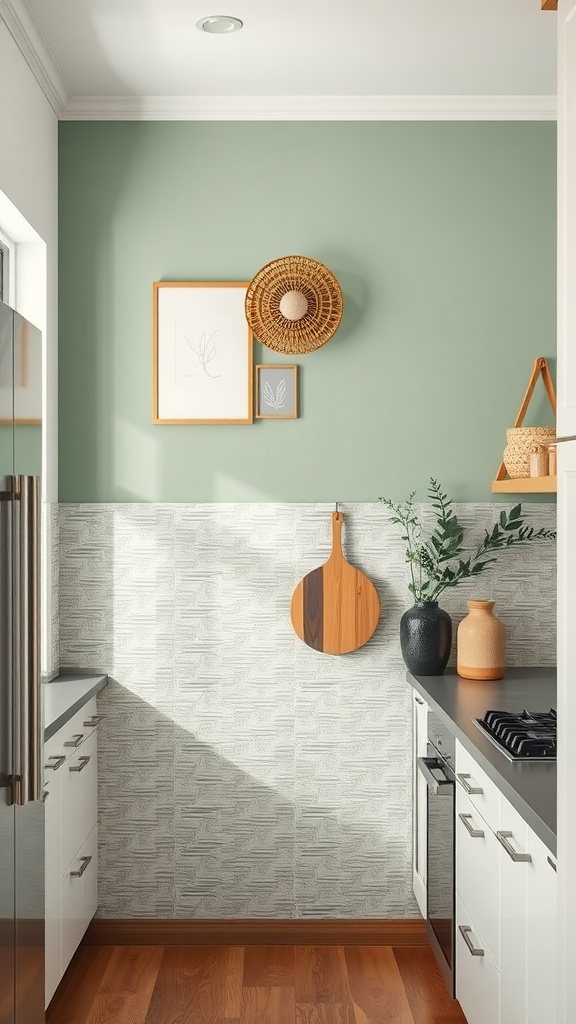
x,y
441,234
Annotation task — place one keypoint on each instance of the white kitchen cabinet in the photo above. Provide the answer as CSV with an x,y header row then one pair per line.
x,y
541,938
513,831
79,896
71,857
53,942
72,834
419,802
480,789
566,426
477,979
507,903
477,872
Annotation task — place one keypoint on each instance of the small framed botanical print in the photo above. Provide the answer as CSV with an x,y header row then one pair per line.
x,y
276,392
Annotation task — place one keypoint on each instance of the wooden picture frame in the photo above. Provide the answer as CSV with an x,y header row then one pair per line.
x,y
202,353
276,391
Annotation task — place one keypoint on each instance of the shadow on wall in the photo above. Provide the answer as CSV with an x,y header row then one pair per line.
x,y
185,832
228,741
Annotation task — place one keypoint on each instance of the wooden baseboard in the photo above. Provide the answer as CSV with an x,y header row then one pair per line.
x,y
257,932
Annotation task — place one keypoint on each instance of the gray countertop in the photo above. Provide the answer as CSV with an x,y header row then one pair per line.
x,y
65,695
529,786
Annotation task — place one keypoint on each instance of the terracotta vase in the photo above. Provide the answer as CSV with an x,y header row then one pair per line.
x,y
481,643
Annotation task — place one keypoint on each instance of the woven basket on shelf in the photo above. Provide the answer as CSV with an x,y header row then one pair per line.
x,y
294,305
521,442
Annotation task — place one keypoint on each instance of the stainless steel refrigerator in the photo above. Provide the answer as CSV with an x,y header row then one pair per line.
x,y
21,796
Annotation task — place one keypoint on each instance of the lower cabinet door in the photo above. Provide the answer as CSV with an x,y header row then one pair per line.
x,y
72,807
513,881
541,942
477,869
79,897
90,878
420,802
72,909
53,941
477,979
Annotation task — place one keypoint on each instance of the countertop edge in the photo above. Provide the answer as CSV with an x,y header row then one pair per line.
x,y
542,830
98,683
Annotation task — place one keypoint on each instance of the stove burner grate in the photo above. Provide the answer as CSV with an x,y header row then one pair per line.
x,y
530,734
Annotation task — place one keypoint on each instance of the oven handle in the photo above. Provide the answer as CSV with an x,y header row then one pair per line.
x,y
439,787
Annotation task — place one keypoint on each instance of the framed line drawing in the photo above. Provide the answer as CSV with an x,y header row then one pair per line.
x,y
202,353
276,392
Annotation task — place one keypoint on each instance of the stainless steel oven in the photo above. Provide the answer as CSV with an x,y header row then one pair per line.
x,y
438,770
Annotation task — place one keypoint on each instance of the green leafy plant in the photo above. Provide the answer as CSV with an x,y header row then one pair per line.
x,y
440,561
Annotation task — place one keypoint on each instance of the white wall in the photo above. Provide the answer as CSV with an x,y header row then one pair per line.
x,y
29,188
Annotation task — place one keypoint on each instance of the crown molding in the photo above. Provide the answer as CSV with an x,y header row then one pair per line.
x,y
310,108
28,37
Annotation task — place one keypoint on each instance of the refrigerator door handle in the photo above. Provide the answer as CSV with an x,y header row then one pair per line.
x,y
26,590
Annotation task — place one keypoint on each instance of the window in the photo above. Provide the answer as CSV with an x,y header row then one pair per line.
x,y
7,261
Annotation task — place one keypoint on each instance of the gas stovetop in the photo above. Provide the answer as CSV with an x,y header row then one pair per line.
x,y
527,736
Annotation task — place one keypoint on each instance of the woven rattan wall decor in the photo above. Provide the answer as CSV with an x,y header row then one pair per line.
x,y
294,305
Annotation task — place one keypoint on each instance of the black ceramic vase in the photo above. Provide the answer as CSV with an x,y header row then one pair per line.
x,y
426,638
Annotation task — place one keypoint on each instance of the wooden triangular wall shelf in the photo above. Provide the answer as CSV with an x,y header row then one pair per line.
x,y
532,484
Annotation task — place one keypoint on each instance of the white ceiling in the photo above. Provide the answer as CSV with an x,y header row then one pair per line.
x,y
150,48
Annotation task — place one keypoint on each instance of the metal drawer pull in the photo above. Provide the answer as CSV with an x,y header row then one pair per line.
x,y
465,930
75,741
439,787
79,767
418,700
82,868
467,787
476,833
551,863
518,858
45,795
93,722
58,760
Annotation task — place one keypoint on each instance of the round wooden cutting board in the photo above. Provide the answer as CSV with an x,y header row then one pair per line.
x,y
335,608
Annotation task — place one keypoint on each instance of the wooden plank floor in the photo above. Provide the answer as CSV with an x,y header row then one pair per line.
x,y
253,985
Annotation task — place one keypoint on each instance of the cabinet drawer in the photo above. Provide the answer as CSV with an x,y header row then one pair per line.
x,y
55,755
477,979
80,726
477,873
67,740
472,777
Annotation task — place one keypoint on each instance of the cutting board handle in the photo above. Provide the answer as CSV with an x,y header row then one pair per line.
x,y
337,520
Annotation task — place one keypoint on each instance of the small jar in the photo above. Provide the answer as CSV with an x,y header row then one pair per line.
x,y
552,460
539,461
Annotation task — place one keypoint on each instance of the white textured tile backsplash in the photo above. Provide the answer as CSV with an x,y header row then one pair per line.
x,y
241,773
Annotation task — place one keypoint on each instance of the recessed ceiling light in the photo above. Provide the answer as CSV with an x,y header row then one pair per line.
x,y
219,24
